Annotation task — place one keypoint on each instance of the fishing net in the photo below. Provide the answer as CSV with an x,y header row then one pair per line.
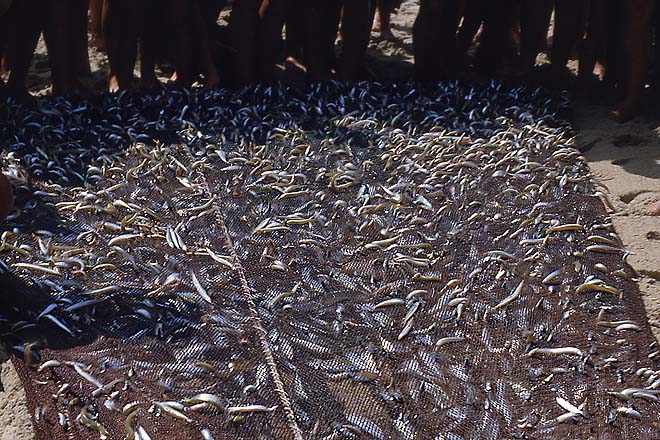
x,y
352,261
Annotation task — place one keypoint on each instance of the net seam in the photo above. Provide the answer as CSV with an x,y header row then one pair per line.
x,y
254,316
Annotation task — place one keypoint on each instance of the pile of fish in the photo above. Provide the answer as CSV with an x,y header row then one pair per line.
x,y
359,261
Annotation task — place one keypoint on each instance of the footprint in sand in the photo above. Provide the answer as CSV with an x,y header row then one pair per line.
x,y
653,235
630,196
627,140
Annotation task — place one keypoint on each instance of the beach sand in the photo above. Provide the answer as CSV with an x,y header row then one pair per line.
x,y
624,158
14,418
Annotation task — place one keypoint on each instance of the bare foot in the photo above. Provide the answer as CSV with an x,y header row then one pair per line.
x,y
624,113
295,62
113,84
599,71
376,25
653,208
179,80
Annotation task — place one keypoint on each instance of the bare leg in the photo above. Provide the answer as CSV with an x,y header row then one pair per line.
x,y
96,14
382,19
78,38
449,26
193,22
472,18
120,34
356,26
210,10
385,26
594,40
497,47
434,39
568,18
375,27
638,14
243,25
211,76
181,14
55,35
295,34
269,43
24,22
148,36
322,22
534,22
66,39
615,72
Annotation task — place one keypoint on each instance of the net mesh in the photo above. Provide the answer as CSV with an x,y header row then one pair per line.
x,y
353,261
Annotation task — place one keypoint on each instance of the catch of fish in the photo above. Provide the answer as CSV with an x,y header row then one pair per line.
x,y
359,261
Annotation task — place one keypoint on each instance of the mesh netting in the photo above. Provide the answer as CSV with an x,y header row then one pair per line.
x,y
367,261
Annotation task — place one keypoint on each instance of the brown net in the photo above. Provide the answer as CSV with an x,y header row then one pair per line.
x,y
367,261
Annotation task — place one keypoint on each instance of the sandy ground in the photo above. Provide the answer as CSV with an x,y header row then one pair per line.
x,y
624,158
14,419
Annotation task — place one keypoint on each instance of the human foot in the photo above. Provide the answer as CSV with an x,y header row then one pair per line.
x,y
113,84
624,113
653,208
